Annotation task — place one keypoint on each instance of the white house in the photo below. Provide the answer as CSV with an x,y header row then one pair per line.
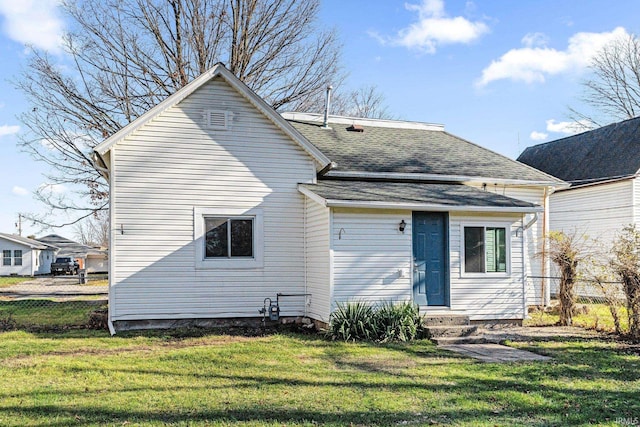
x,y
602,167
93,260
218,202
24,257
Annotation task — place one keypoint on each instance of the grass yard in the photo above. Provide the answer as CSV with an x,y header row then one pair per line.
x,y
593,316
47,313
6,281
84,378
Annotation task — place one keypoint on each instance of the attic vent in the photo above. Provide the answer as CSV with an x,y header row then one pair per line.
x,y
216,119
355,128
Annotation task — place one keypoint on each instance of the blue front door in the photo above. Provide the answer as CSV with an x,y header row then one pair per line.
x,y
430,258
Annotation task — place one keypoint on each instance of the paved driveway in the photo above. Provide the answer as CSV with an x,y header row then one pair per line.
x,y
52,287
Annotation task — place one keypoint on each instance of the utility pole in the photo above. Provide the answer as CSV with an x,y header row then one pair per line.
x,y
19,225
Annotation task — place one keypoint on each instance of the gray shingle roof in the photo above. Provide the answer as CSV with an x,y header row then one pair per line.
x,y
409,151
610,152
69,247
452,195
26,241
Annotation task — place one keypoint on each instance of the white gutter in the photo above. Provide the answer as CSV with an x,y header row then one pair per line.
x,y
432,207
441,178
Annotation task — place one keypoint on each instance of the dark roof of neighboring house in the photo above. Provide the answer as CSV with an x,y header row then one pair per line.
x,y
432,194
34,244
608,153
69,247
408,150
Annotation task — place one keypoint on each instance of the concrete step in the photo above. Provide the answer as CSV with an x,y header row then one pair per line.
x,y
450,331
445,319
474,339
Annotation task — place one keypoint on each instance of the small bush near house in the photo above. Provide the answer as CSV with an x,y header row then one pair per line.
x,y
398,322
626,264
353,321
361,321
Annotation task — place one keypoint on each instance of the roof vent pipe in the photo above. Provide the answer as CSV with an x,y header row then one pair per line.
x,y
325,124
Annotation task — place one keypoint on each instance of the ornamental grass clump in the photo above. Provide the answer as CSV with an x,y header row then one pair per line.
x,y
398,322
361,321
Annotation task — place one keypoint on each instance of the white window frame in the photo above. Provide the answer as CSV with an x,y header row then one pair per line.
x,y
16,258
499,224
10,258
257,261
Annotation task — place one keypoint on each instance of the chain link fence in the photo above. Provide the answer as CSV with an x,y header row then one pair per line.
x,y
53,302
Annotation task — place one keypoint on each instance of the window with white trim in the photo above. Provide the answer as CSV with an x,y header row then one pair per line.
x,y
228,238
485,249
17,257
6,257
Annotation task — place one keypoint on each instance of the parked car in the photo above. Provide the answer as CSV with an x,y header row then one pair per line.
x,y
64,265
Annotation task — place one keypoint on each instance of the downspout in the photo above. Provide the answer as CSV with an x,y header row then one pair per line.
x,y
304,248
112,329
524,228
544,292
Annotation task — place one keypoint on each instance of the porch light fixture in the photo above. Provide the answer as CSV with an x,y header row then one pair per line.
x,y
402,226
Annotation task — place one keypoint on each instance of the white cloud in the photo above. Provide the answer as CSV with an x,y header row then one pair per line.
x,y
538,136
536,61
19,191
35,22
434,28
8,130
568,128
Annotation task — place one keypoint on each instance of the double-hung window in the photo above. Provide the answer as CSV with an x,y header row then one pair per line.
x,y
17,257
6,257
228,238
485,249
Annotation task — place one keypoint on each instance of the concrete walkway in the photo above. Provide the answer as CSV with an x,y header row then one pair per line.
x,y
495,353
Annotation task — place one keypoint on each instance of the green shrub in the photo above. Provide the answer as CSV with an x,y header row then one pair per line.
x,y
361,321
398,322
353,321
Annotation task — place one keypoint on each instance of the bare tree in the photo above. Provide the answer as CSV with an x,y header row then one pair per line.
x,y
613,90
93,230
124,57
566,251
366,101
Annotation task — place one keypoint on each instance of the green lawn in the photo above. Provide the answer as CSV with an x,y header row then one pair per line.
x,y
592,316
83,378
6,281
44,313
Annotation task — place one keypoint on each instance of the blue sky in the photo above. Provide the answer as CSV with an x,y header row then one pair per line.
x,y
499,73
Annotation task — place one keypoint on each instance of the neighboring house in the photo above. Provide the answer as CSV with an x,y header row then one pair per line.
x,y
218,202
602,166
94,260
22,256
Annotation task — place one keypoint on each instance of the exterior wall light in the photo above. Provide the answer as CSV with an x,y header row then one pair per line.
x,y
402,226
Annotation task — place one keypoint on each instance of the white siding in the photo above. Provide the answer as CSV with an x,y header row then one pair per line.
x,y
173,164
371,258
318,260
28,261
486,296
45,259
598,211
534,240
97,264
